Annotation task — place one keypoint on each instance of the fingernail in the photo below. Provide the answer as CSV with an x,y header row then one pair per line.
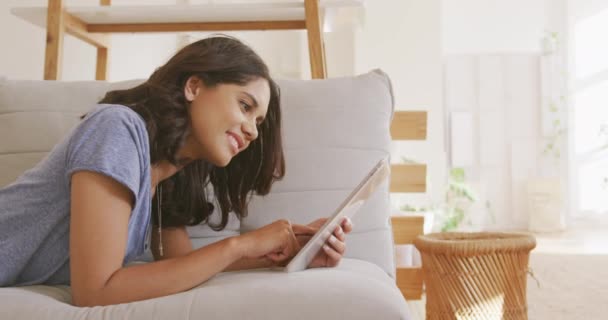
x,y
333,239
325,247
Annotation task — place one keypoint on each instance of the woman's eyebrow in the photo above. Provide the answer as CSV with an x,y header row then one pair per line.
x,y
255,102
255,105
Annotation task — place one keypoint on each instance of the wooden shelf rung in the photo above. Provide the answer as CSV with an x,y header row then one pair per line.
x,y
409,281
407,228
409,125
197,26
408,178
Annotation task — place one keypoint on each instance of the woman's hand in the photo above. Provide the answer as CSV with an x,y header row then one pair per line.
x,y
335,247
276,242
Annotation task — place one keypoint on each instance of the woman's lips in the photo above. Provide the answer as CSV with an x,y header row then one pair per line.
x,y
234,143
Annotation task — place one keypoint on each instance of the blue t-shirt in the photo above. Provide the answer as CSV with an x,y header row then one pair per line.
x,y
35,209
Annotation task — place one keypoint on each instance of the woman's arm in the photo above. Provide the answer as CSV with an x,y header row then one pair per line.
x,y
100,210
247,263
177,243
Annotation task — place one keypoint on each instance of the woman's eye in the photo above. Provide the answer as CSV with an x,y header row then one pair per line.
x,y
245,106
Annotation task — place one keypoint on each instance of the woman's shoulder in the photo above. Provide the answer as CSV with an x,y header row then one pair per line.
x,y
113,140
114,113
111,125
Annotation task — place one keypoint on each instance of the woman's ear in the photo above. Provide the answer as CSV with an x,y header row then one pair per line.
x,y
192,87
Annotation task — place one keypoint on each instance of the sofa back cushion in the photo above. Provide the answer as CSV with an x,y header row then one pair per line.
x,y
335,130
35,115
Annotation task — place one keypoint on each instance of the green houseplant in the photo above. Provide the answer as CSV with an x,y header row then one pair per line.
x,y
454,212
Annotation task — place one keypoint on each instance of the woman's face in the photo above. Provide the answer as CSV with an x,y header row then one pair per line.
x,y
224,118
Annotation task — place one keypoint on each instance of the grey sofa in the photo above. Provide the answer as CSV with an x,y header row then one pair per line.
x,y
335,130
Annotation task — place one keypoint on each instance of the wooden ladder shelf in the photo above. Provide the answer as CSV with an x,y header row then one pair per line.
x,y
93,24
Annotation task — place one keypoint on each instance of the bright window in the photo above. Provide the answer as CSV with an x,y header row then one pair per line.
x,y
591,118
591,45
590,102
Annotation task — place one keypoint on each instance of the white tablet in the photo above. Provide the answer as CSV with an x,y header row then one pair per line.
x,y
348,208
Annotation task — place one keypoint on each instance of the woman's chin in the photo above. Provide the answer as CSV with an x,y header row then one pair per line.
x,y
222,161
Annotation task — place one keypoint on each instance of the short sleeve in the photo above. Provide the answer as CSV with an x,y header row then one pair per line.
x,y
111,140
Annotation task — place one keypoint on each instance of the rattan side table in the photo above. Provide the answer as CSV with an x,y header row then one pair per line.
x,y
479,275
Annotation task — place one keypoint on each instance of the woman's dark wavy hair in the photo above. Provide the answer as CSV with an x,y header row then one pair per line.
x,y
162,104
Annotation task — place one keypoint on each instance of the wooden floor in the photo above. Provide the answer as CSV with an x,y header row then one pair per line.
x,y
588,235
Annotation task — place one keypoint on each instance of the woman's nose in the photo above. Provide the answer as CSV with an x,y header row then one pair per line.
x,y
251,130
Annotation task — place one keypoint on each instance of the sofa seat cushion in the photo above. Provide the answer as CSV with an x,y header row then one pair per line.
x,y
356,289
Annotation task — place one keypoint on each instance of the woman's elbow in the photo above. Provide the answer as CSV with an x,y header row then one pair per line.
x,y
88,298
83,301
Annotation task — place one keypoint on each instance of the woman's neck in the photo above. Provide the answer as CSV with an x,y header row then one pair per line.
x,y
163,170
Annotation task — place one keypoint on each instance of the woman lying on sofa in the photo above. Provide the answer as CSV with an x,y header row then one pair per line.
x,y
145,157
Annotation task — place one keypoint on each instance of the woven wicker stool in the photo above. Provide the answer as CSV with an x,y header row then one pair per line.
x,y
478,275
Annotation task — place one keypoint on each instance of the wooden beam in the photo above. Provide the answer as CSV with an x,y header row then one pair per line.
x,y
407,228
101,68
54,40
78,29
408,178
197,26
316,47
409,125
409,281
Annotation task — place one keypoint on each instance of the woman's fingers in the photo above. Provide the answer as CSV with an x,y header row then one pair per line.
x,y
288,241
280,255
299,229
338,245
318,223
335,247
347,225
276,256
339,233
333,255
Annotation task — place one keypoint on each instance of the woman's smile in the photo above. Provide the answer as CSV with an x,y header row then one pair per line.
x,y
235,142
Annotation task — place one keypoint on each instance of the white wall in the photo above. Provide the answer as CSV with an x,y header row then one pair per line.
x,y
490,26
131,55
403,39
492,48
500,95
22,55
